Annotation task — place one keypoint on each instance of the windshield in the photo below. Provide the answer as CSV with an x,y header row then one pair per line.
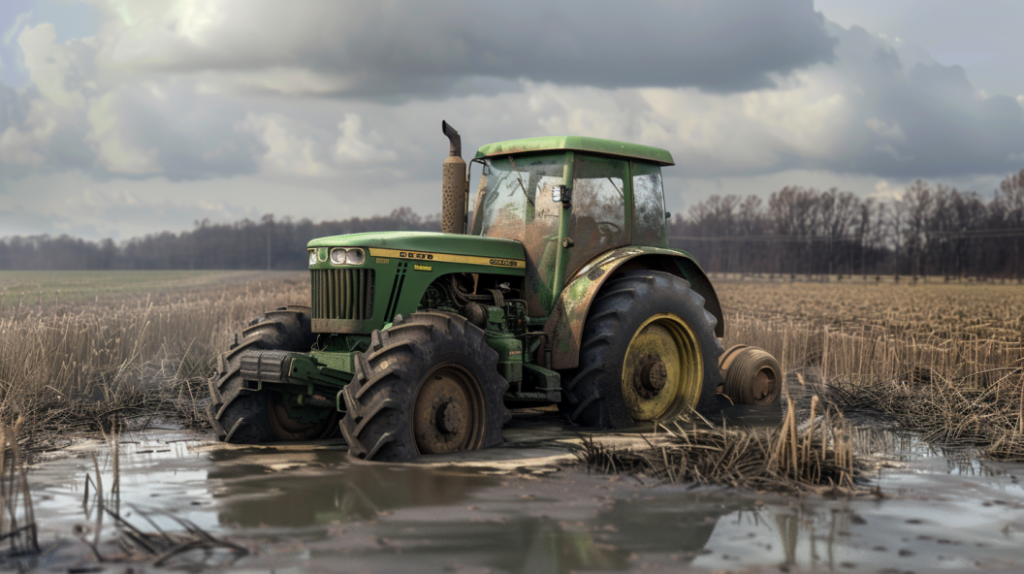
x,y
515,193
514,202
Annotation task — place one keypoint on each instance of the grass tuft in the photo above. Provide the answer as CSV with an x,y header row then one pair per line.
x,y
812,457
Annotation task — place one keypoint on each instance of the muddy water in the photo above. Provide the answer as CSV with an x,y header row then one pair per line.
x,y
520,509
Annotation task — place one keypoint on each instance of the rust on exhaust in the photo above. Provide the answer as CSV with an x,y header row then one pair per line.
x,y
454,185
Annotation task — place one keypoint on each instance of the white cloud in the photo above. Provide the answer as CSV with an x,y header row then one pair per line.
x,y
886,192
353,147
21,148
288,150
54,67
19,21
115,151
884,130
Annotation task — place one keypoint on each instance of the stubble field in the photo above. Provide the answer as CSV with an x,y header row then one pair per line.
x,y
941,359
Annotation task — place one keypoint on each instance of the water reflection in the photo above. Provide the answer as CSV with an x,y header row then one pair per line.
x,y
622,535
381,515
328,489
311,509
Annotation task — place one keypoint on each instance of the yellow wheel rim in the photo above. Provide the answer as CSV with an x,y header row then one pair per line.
x,y
663,372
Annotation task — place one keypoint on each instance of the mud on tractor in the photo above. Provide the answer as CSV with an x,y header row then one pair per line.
x,y
561,290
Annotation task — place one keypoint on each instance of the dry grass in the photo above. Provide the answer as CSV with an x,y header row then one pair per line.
x,y
17,517
942,360
816,456
131,355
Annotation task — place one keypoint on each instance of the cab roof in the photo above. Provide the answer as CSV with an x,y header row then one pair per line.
x,y
577,143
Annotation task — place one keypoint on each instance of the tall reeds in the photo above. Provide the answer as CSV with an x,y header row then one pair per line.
x,y
18,535
147,354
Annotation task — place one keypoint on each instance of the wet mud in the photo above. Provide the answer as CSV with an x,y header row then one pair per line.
x,y
523,507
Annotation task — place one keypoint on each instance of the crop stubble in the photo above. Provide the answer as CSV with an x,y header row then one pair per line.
x,y
130,350
940,359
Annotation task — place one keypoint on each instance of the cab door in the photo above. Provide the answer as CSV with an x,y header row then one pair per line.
x,y
602,209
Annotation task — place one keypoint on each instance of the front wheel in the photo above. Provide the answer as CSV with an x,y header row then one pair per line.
x,y
247,417
427,385
649,353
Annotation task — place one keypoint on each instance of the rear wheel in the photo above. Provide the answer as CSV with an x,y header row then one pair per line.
x,y
427,385
247,417
648,353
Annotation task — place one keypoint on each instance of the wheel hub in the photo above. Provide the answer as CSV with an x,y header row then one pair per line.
x,y
447,413
449,418
652,377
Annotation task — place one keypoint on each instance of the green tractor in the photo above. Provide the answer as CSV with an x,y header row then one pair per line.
x,y
561,290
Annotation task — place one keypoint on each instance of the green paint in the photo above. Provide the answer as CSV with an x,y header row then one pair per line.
x,y
397,286
308,368
470,245
577,143
510,355
335,361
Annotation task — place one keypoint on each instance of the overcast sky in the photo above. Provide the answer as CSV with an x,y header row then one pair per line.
x,y
120,118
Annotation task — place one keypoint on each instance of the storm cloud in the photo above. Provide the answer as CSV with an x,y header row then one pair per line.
x,y
413,49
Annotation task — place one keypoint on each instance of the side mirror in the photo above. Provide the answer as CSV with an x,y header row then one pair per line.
x,y
561,194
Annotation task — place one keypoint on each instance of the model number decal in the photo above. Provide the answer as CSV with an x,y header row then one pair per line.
x,y
414,255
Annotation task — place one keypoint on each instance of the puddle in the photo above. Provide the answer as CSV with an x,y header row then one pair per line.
x,y
520,509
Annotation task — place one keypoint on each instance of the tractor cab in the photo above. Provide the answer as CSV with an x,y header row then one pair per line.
x,y
568,199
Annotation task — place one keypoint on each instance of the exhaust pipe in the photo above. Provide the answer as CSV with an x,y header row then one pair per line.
x,y
454,185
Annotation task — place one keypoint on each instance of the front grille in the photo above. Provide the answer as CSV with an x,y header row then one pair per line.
x,y
342,294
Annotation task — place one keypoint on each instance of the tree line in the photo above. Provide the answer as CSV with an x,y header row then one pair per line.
x,y
927,230
266,244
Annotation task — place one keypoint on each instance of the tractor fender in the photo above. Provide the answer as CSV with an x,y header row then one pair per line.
x,y
564,327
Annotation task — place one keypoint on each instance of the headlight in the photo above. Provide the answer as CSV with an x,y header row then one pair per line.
x,y
312,257
342,256
355,257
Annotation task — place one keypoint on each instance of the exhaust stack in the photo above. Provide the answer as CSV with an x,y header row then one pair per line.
x,y
454,185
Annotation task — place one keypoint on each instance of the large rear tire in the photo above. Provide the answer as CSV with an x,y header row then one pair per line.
x,y
427,385
248,417
649,353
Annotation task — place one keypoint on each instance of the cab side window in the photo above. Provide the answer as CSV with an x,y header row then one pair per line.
x,y
649,226
598,208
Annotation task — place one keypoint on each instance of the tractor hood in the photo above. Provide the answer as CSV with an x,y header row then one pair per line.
x,y
504,252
